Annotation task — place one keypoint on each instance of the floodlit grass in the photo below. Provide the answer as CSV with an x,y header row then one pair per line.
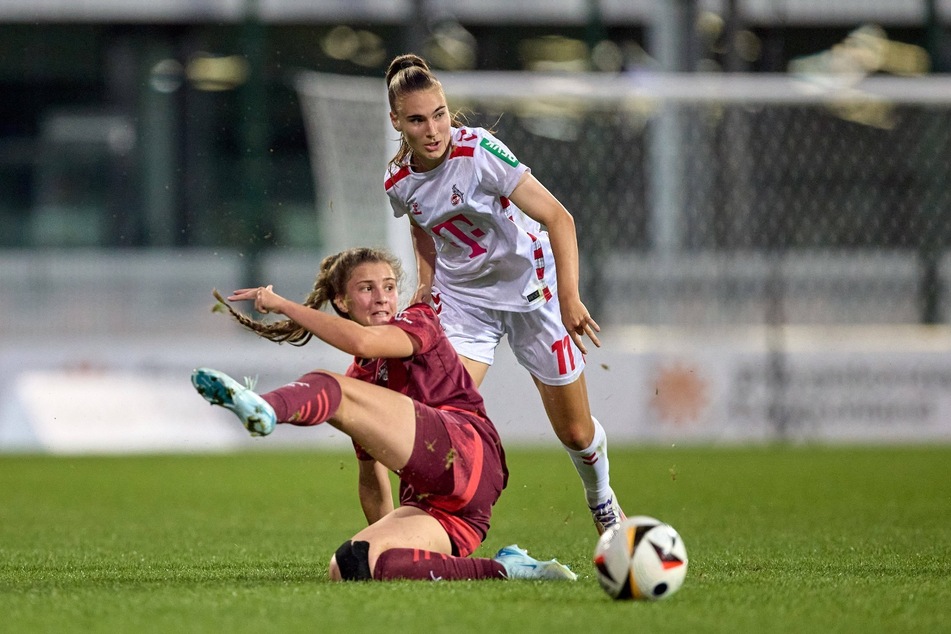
x,y
779,540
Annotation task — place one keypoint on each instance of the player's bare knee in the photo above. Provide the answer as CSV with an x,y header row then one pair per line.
x,y
333,570
576,436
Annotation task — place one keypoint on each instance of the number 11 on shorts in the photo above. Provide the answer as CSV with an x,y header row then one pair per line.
x,y
566,355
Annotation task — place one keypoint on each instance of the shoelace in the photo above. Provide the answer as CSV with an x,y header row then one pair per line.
x,y
605,513
251,382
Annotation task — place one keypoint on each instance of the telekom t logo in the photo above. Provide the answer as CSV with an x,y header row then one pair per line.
x,y
461,228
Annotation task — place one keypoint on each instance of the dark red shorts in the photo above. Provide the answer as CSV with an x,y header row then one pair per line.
x,y
455,474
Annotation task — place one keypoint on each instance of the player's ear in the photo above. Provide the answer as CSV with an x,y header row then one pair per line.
x,y
395,122
341,303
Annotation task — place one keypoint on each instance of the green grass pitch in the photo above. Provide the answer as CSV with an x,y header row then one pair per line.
x,y
780,539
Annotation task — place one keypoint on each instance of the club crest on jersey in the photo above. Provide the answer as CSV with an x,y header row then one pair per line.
x,y
414,208
496,148
457,196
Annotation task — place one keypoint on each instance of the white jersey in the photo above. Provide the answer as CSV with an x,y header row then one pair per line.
x,y
488,251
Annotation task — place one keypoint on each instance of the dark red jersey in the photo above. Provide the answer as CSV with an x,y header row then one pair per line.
x,y
433,376
446,399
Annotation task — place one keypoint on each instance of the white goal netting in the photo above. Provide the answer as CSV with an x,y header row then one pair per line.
x,y
774,248
352,140
701,199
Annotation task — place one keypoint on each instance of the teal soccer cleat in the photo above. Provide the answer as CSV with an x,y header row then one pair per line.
x,y
220,389
518,565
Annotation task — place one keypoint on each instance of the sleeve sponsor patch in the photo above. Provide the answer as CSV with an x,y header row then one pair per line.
x,y
498,150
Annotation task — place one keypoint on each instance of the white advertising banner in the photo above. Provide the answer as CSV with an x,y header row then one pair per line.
x,y
727,392
138,398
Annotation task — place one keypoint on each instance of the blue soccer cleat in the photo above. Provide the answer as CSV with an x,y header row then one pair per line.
x,y
518,565
220,389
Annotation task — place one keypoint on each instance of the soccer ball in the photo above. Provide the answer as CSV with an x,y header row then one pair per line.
x,y
641,558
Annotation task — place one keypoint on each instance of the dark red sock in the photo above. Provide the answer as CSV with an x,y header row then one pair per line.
x,y
310,400
412,563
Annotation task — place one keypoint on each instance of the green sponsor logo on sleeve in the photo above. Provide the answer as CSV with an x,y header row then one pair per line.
x,y
499,151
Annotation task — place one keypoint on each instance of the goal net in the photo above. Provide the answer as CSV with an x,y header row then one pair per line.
x,y
778,215
351,141
698,199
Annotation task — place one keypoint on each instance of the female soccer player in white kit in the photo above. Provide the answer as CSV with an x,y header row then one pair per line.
x,y
488,267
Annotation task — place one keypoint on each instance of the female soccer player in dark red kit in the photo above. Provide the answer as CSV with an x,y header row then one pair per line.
x,y
409,406
485,263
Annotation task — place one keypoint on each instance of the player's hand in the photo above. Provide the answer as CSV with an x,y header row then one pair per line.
x,y
579,324
423,295
264,298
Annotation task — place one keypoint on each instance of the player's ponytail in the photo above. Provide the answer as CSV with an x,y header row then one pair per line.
x,y
332,278
407,62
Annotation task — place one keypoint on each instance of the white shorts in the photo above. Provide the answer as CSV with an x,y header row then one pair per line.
x,y
538,338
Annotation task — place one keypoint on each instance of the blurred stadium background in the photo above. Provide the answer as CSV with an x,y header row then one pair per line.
x,y
761,189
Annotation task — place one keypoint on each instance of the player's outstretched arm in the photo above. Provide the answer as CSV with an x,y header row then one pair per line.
x,y
368,342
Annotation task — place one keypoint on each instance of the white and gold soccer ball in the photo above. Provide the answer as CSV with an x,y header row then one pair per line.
x,y
641,558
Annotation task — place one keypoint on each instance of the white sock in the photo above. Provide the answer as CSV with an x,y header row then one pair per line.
x,y
592,465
